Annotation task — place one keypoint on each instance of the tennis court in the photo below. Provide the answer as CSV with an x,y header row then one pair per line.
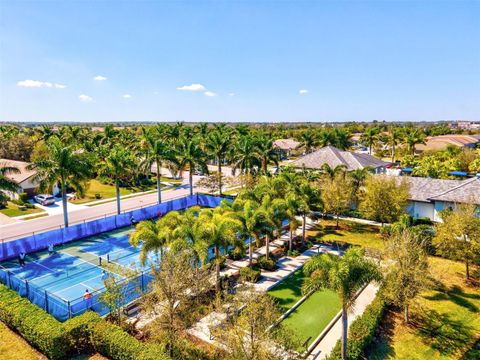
x,y
61,278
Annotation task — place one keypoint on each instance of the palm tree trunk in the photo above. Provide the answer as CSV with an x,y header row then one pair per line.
x,y
159,185
217,269
344,331
406,314
64,201
467,270
219,176
290,240
338,215
393,153
250,253
304,220
117,190
267,246
190,178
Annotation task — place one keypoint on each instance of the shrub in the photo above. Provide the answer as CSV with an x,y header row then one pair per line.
x,y
249,274
78,331
111,341
237,253
23,197
362,331
98,196
37,327
293,253
266,264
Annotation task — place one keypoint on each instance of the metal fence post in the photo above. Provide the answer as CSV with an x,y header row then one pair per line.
x,y
69,309
142,283
46,302
27,288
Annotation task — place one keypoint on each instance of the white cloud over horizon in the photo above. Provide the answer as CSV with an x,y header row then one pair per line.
x,y
303,91
99,78
127,96
40,84
209,93
85,98
192,87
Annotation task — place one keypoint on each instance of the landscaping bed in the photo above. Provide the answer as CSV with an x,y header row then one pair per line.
x,y
14,210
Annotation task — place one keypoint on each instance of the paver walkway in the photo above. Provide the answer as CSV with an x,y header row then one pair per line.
x,y
325,347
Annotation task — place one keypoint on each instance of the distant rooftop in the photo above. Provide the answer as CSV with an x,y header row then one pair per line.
x,y
333,157
23,175
286,144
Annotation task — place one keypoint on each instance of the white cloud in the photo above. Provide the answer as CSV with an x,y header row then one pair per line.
x,y
209,93
231,94
192,87
126,96
100,78
303,92
39,84
85,98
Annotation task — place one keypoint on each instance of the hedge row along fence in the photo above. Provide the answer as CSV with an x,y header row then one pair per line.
x,y
85,333
361,331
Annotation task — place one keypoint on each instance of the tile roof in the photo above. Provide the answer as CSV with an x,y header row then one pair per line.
x,y
23,175
333,157
286,144
443,141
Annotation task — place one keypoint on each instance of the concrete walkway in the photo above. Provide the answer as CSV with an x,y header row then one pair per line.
x,y
325,347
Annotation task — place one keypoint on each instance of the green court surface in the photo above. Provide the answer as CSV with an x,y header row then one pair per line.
x,y
310,318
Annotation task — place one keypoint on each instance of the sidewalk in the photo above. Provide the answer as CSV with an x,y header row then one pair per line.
x,y
325,347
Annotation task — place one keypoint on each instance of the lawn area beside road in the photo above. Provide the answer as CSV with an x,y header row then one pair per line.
x,y
13,210
311,317
14,347
107,191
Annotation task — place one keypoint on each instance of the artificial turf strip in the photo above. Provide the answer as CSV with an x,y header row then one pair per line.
x,y
310,318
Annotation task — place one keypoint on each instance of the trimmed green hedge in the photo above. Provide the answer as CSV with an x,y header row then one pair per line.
x,y
249,274
362,331
84,333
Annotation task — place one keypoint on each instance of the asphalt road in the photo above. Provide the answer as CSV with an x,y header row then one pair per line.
x,y
24,228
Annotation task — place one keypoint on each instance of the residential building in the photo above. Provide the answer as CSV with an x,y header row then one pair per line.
x,y
436,143
24,178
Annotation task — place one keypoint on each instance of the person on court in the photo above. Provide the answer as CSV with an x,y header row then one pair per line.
x,y
21,259
88,299
51,251
104,275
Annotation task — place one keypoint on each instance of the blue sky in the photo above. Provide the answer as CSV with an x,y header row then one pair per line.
x,y
239,60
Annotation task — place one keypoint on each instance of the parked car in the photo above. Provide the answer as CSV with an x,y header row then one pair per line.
x,y
44,199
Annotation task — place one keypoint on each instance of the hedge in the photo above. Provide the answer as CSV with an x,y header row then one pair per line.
x,y
361,331
40,329
249,274
84,333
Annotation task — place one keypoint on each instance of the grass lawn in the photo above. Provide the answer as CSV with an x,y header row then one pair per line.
x,y
349,232
106,191
14,347
310,318
445,320
13,210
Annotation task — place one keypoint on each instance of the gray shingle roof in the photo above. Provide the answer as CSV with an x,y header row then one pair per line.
x,y
456,191
333,157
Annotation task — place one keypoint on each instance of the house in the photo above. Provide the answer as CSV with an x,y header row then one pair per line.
x,y
286,146
333,157
430,196
436,143
24,178
468,125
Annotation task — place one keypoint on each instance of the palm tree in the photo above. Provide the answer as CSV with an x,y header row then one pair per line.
x,y
63,165
393,139
309,199
191,155
247,212
325,138
308,140
345,275
220,231
358,178
412,137
272,213
158,152
5,183
333,172
245,157
266,152
218,144
370,138
118,164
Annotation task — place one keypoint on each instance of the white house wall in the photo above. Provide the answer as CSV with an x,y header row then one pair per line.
x,y
420,209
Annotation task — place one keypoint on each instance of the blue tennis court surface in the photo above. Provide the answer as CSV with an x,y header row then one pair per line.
x,y
61,279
